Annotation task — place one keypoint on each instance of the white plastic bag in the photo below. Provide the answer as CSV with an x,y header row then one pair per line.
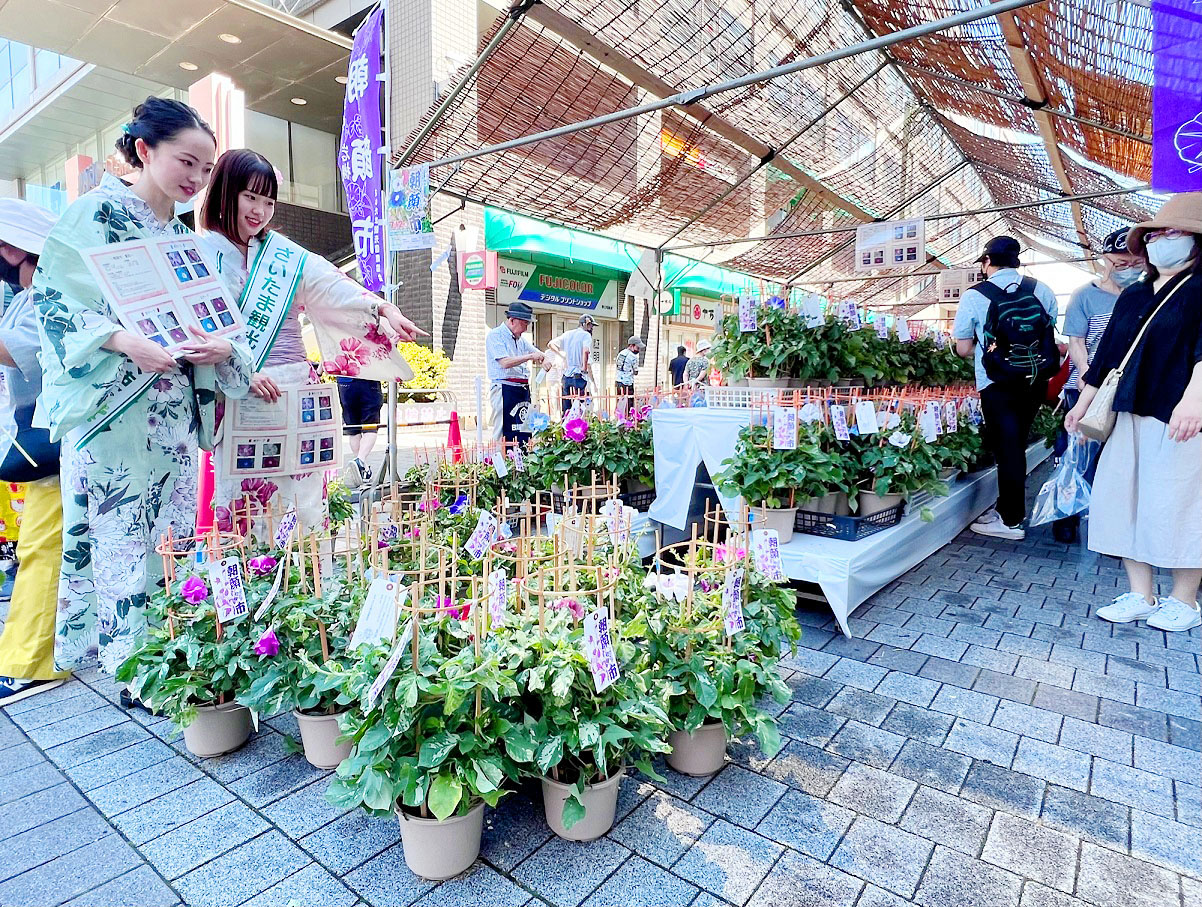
x,y
1066,493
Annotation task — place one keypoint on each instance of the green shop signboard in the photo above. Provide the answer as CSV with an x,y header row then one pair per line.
x,y
545,288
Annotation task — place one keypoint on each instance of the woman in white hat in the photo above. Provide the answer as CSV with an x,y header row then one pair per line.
x,y
698,369
1147,495
27,645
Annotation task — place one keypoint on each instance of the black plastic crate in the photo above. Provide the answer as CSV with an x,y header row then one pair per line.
x,y
847,528
639,500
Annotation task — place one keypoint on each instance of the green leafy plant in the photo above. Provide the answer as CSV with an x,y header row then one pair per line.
x,y
781,478
339,503
884,467
618,448
959,449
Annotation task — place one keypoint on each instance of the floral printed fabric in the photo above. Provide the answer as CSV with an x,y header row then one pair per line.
x,y
135,479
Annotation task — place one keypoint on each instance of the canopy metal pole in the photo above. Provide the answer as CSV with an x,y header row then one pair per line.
x,y
685,98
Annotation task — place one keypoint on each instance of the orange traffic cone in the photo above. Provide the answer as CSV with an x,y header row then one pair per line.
x,y
455,439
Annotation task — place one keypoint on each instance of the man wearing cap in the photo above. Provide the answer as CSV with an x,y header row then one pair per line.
x,y
626,366
1009,409
507,351
27,645
576,348
1085,319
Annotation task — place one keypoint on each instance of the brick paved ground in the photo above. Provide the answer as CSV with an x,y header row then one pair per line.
x,y
984,741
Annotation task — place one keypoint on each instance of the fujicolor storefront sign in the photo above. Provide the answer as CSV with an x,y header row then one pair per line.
x,y
552,289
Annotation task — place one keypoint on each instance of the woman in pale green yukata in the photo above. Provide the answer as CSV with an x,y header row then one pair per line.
x,y
129,415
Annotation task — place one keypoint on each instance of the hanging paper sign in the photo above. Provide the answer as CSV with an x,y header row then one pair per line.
x,y
619,520
940,339
273,591
599,649
811,308
784,428
839,422
515,454
482,536
866,418
903,330
810,413
408,210
882,326
283,532
377,685
949,415
890,244
766,549
747,318
499,465
732,602
498,587
974,408
228,592
936,415
950,283
377,620
1176,97
927,425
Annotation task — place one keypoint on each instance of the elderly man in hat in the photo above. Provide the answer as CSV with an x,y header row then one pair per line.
x,y
507,351
576,348
626,366
26,455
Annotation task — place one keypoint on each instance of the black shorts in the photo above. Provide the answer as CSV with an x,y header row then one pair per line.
x,y
362,402
625,390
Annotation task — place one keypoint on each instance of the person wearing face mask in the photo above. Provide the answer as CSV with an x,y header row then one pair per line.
x,y
1147,495
129,416
1085,320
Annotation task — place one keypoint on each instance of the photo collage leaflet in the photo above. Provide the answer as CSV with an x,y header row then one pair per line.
x,y
890,244
158,288
299,433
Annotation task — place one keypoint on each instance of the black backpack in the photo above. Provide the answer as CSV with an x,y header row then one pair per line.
x,y
1020,336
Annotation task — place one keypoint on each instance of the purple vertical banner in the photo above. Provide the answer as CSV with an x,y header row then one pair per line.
x,y
358,154
1176,96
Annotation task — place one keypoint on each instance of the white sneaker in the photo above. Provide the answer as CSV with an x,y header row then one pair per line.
x,y
1175,615
991,523
989,516
1128,607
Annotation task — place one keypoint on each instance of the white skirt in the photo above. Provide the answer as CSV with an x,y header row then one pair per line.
x,y
1147,495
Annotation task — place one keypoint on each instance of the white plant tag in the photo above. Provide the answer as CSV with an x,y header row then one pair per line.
x,y
866,418
839,422
498,587
810,413
747,318
499,465
936,415
229,593
482,536
903,330
599,649
377,685
926,424
882,326
767,554
273,591
784,428
283,532
813,311
377,620
732,602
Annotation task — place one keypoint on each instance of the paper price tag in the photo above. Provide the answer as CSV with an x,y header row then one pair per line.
x,y
377,620
839,422
273,591
784,428
228,591
974,409
852,316
482,536
516,456
903,330
499,465
732,602
766,550
940,339
747,318
498,588
283,532
386,672
882,326
599,649
812,310
866,418
928,426
618,521
936,415
810,413
949,415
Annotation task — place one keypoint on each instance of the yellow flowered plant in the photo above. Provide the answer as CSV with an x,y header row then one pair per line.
x,y
429,366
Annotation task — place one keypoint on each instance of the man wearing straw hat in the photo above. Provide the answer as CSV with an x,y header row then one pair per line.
x,y
507,351
26,455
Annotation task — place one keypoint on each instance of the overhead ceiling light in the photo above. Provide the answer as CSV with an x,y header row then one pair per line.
x,y
299,102
229,39
341,80
190,67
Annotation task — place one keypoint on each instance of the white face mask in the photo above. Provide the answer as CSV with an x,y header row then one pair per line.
x,y
1126,276
1170,251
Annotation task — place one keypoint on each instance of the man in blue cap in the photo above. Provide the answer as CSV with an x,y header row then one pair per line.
x,y
507,351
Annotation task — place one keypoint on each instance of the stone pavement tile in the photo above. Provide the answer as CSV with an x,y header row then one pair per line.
x,y
898,659
158,816
1086,816
546,871
999,788
1053,763
982,742
813,638
1184,659
915,690
68,690
747,752
72,873
810,661
125,793
740,796
263,749
515,829
873,792
240,874
883,614
632,791
931,765
806,768
1105,685
1186,681
1022,644
727,861
864,743
860,649
140,886
978,707
947,820
1066,702
188,846
44,713
1028,720
812,691
1168,760
44,805
959,613
954,880
1036,895
944,670
977,636
352,840
98,744
1189,803
1168,843
1132,786
1005,686
29,780
1134,669
53,839
386,881
98,772
938,647
884,855
1185,732
1173,702
1032,850
918,723
1116,880
930,626
21,756
1191,891
304,811
800,881
276,781
1045,616
1109,743
661,828
73,728
1100,642
683,786
866,707
858,674
813,726
1045,672
990,659
1081,659
1067,635
636,882
879,897
806,824
312,885
893,636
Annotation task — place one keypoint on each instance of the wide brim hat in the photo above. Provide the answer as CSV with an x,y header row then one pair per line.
x,y
25,225
520,311
1182,211
703,345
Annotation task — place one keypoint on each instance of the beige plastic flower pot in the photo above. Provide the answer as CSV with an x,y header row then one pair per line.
x,y
318,733
825,504
600,807
218,729
773,383
699,752
874,503
441,849
780,519
949,474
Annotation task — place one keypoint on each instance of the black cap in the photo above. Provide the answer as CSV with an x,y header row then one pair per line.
x,y
520,310
1116,242
1001,247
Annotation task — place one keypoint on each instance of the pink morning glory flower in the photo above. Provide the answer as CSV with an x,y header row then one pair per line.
x,y
262,565
575,430
268,644
194,590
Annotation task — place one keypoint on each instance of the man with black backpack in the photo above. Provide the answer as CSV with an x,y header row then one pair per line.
x,y
1008,323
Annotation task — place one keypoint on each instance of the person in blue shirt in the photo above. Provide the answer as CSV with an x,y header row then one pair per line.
x,y
677,366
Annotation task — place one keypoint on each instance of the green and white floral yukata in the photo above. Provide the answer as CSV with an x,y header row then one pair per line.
x,y
126,484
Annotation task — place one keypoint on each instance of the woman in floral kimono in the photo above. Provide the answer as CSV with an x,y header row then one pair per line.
x,y
254,263
128,414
